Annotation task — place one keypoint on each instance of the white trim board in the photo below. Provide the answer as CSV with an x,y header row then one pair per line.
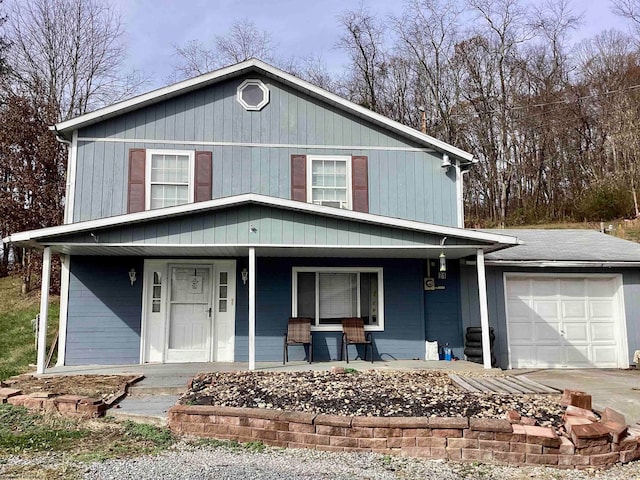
x,y
255,65
138,141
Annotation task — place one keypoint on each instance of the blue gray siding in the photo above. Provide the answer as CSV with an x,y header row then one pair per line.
x,y
254,157
495,297
403,336
272,226
442,310
105,310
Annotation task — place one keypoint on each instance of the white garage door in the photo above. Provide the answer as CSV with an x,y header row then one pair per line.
x,y
565,322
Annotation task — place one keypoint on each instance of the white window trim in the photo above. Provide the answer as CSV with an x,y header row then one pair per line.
x,y
147,173
261,86
341,158
338,328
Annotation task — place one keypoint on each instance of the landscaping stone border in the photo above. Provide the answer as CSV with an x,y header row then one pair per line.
x,y
65,404
71,405
451,438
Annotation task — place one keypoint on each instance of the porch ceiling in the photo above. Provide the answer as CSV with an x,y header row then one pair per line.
x,y
394,251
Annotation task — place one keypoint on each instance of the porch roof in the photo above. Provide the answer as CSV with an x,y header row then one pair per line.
x,y
275,227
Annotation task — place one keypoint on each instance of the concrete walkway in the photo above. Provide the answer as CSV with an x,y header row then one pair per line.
x,y
617,389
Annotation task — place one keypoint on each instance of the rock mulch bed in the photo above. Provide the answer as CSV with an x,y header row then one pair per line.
x,y
365,393
416,414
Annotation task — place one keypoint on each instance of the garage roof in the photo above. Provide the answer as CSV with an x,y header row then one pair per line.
x,y
544,247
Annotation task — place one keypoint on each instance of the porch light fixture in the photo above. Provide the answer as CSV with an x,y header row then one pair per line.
x,y
446,161
132,276
443,259
245,276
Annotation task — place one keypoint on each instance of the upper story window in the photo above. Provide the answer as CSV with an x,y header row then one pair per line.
x,y
253,94
169,177
329,178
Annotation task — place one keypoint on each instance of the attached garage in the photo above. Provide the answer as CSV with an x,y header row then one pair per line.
x,y
565,321
559,299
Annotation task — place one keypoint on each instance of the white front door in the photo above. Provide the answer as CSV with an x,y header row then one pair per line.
x,y
189,322
189,313
565,321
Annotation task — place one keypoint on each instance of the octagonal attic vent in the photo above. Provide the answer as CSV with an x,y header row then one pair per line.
x,y
253,94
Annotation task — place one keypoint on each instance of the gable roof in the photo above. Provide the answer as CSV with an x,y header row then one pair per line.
x,y
34,237
565,247
65,129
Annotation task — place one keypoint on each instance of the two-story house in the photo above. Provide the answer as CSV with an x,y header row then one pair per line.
x,y
201,216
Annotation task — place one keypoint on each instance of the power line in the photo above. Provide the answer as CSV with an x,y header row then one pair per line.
x,y
557,102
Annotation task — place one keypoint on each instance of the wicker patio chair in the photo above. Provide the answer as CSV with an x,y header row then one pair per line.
x,y
298,333
353,334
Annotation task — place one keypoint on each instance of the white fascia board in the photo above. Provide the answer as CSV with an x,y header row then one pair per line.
x,y
562,263
262,200
218,75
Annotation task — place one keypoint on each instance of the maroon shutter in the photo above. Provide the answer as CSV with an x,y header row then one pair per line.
x,y
136,200
299,178
203,176
360,184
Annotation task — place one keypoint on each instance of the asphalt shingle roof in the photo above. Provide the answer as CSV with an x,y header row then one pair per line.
x,y
566,245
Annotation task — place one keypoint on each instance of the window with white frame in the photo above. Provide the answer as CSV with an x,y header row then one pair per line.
x,y
328,294
329,178
169,178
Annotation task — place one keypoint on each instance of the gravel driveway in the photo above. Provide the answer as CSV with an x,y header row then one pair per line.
x,y
277,464
221,463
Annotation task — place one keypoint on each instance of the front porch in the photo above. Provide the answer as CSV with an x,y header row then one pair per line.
x,y
280,259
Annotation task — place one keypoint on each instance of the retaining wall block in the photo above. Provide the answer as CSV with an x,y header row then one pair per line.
x,y
542,459
446,432
478,455
544,436
509,457
449,422
604,459
431,442
490,425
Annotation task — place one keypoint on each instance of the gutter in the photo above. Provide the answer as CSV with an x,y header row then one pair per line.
x,y
562,263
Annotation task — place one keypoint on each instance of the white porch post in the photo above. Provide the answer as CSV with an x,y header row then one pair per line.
x,y
484,311
64,307
44,309
252,308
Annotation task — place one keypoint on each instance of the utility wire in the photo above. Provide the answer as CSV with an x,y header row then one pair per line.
x,y
557,102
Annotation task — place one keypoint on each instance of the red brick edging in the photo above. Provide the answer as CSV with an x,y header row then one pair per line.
x,y
64,404
453,438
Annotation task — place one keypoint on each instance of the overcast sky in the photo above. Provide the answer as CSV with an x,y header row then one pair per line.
x,y
299,27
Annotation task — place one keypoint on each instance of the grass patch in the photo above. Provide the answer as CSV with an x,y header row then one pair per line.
x,y
16,334
158,436
23,431
234,445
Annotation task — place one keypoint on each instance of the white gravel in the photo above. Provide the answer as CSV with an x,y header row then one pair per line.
x,y
221,463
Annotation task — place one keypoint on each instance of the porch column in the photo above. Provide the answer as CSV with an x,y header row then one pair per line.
x,y
252,308
64,308
484,310
44,309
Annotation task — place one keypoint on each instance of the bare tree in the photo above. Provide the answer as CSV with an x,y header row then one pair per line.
x,y
242,41
364,42
69,51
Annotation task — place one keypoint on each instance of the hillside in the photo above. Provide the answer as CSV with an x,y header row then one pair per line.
x,y
17,343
